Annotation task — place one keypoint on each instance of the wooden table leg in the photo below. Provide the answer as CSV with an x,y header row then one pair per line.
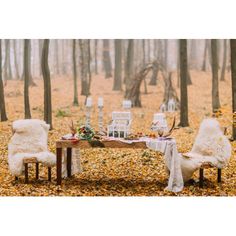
x,y
218,175
49,173
59,165
69,156
37,170
201,177
26,174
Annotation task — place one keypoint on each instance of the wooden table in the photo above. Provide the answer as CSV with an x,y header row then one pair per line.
x,y
83,144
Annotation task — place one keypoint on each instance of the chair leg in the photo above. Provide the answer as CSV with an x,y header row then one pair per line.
x,y
26,174
49,173
16,178
218,175
37,170
201,177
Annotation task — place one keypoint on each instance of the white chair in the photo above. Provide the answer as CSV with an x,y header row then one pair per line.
x,y
28,145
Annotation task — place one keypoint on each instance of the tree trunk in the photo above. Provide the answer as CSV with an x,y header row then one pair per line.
x,y
107,59
222,76
166,55
26,79
7,65
129,70
40,55
144,62
170,92
56,57
233,78
153,80
133,91
204,63
183,83
215,85
83,68
95,55
47,83
15,59
31,81
75,102
89,66
2,99
118,65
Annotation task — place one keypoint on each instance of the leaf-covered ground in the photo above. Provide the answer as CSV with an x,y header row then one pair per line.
x,y
112,172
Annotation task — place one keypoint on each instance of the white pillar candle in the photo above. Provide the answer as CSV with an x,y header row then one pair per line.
x,y
89,102
100,102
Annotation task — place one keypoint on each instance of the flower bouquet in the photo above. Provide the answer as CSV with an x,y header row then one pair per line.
x,y
85,132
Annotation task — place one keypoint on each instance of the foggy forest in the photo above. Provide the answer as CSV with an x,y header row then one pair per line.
x,y
61,81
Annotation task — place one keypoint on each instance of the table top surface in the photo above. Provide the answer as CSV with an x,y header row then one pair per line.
x,y
100,144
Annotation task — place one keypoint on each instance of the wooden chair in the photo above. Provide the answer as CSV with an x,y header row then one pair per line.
x,y
207,165
33,160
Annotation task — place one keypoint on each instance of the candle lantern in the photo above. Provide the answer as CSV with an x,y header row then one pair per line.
x,y
163,108
127,104
171,105
159,123
100,114
120,125
88,111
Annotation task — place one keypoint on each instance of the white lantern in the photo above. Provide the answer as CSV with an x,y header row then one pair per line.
x,y
171,105
163,108
159,122
127,104
120,125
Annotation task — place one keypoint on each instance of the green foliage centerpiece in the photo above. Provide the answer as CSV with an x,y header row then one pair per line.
x,y
85,132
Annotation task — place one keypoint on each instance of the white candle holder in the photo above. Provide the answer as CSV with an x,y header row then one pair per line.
x,y
100,114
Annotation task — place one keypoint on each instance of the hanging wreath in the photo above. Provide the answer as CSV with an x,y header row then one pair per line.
x,y
85,132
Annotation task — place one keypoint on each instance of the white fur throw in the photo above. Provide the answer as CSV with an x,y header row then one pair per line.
x,y
210,145
29,140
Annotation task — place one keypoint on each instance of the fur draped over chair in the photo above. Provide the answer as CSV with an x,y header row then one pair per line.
x,y
211,146
29,139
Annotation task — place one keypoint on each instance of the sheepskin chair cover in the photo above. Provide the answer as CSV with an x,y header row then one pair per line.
x,y
29,139
210,145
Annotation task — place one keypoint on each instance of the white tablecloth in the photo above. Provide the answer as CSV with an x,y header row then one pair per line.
x,y
172,161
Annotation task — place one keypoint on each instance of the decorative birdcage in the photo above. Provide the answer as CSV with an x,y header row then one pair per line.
x,y
127,104
120,125
159,122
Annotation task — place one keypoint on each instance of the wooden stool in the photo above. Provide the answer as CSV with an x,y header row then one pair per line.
x,y
201,173
33,160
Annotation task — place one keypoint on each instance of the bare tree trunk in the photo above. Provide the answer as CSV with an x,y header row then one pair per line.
x,y
204,63
15,59
47,83
31,81
75,102
89,66
144,62
129,70
40,55
233,78
95,55
215,82
222,76
183,83
26,79
83,68
56,57
118,65
2,99
166,55
170,92
107,59
7,66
